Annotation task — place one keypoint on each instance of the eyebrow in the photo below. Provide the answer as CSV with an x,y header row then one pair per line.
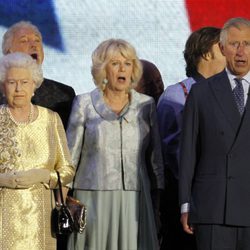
x,y
22,36
117,60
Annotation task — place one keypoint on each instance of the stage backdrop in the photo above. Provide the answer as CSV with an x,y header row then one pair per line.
x,y
158,29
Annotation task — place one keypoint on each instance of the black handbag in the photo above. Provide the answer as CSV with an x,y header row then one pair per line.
x,y
68,217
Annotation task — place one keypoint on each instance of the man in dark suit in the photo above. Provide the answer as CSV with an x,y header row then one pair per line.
x,y
214,177
25,37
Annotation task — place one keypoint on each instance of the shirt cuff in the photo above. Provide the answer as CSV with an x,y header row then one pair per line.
x,y
184,208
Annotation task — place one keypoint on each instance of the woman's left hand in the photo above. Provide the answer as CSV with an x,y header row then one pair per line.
x,y
30,177
157,195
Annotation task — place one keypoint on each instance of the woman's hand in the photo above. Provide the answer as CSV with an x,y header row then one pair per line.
x,y
25,179
156,195
8,180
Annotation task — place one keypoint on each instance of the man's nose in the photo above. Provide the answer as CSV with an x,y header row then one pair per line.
x,y
32,44
241,48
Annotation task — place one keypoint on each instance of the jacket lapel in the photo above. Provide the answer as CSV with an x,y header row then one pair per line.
x,y
244,129
222,90
100,106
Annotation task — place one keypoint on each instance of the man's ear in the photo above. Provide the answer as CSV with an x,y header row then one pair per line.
x,y
207,56
221,48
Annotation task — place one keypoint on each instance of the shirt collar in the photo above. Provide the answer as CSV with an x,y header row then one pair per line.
x,y
105,112
231,77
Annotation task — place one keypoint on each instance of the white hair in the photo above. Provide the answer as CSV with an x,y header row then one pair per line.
x,y
20,60
237,23
9,34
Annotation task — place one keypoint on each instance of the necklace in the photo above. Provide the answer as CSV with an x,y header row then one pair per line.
x,y
30,116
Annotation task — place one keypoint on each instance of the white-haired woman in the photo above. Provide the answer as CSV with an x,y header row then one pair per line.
x,y
110,132
32,147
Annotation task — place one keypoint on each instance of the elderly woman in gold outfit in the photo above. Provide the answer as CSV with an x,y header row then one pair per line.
x,y
32,148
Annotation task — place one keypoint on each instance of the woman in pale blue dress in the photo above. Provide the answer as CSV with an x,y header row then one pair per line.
x,y
110,132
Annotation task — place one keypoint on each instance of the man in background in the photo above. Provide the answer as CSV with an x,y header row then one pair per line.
x,y
25,37
151,82
203,60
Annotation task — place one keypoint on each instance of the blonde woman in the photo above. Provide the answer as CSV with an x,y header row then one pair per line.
x,y
110,131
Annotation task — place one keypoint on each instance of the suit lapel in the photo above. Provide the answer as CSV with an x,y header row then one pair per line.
x,y
244,129
222,90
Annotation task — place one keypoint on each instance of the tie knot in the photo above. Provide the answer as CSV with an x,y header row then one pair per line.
x,y
238,80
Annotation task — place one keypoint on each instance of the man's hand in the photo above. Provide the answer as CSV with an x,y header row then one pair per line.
x,y
184,221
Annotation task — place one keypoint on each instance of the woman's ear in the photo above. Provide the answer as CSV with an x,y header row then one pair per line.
x,y
2,89
34,88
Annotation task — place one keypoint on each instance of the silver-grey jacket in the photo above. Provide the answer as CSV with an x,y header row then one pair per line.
x,y
108,150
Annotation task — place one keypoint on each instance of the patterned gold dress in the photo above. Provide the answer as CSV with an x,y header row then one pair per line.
x,y
25,222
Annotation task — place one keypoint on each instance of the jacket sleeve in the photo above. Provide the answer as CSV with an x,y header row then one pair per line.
x,y
75,131
154,153
169,111
63,159
189,147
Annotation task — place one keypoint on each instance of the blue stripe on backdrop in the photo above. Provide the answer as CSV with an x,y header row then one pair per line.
x,y
39,12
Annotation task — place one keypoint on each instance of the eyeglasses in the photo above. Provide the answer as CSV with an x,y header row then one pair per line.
x,y
237,44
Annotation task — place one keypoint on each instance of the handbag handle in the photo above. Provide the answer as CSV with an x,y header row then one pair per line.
x,y
60,187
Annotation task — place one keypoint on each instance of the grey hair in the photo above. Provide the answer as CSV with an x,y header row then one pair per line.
x,y
9,34
20,60
237,23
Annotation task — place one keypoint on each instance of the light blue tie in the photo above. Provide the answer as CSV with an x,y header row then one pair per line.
x,y
238,93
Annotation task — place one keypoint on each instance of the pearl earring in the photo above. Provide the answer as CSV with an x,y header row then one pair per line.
x,y
105,81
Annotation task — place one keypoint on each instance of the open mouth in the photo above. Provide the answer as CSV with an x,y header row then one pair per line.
x,y
34,56
121,78
240,62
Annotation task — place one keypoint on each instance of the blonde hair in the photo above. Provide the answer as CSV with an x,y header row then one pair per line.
x,y
105,52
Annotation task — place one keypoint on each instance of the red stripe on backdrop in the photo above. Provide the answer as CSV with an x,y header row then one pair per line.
x,y
215,12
